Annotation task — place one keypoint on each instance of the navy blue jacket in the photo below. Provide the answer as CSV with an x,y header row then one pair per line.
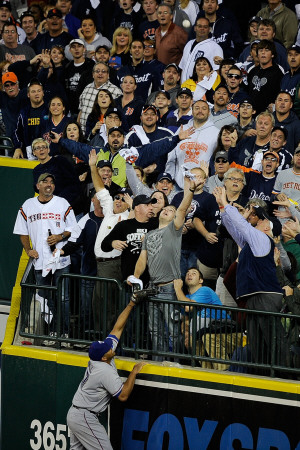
x,y
280,59
290,81
292,124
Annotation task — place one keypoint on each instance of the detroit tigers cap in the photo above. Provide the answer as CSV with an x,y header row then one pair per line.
x,y
113,111
185,91
143,200
104,163
164,176
43,177
146,107
98,349
9,76
111,130
5,4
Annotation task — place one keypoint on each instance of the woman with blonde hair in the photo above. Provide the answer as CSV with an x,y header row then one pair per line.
x,y
120,54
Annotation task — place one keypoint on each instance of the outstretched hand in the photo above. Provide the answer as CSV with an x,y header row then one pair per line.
x,y
185,134
93,158
220,195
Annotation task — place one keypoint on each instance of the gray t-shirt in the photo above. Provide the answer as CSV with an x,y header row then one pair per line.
x,y
20,53
163,247
288,182
213,182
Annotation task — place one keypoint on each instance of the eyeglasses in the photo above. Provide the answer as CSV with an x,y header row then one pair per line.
x,y
42,147
149,46
100,71
118,197
270,159
9,31
8,85
236,180
221,160
234,75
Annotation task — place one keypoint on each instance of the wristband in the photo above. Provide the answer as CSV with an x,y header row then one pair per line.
x,y
221,207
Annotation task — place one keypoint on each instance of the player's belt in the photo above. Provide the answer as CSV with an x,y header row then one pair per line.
x,y
92,412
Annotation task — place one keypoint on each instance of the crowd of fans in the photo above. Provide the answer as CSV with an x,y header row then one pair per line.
x,y
178,99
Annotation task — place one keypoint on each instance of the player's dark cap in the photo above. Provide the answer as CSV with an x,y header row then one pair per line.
x,y
120,129
222,154
98,349
143,200
102,46
165,93
294,47
5,4
113,111
165,176
54,12
104,163
147,107
43,177
185,91
283,129
274,154
172,65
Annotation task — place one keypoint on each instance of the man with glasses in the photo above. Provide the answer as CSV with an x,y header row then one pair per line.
x,y
87,98
221,166
67,184
12,51
7,11
203,45
237,95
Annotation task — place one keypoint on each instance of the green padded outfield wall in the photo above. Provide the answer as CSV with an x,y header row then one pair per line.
x,y
16,187
170,408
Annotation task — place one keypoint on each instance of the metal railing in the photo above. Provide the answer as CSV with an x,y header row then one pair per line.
x,y
83,309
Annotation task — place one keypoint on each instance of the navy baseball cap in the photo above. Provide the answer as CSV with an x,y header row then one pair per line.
x,y
172,65
143,200
5,4
120,129
104,163
165,93
123,190
185,91
113,111
294,47
164,176
222,154
54,12
98,349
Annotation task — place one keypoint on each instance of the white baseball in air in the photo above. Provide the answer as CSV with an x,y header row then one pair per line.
x,y
186,23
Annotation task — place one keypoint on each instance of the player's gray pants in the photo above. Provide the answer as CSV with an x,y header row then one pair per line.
x,y
86,432
164,322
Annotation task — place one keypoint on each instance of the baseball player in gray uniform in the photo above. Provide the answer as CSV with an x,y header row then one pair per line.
x,y
100,383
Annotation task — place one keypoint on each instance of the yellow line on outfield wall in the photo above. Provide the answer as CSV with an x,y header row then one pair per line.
x,y
126,364
18,163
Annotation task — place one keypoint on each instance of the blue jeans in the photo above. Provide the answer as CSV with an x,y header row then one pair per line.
x,y
52,280
164,322
188,259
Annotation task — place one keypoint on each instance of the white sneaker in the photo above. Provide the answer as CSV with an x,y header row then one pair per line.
x,y
49,343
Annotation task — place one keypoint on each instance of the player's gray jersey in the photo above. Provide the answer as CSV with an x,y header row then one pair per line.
x,y
100,383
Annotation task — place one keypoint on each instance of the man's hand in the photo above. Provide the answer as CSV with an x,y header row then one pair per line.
x,y
288,290
119,245
54,239
220,195
178,284
139,366
36,59
277,256
32,254
218,60
282,197
18,154
45,58
205,167
290,229
211,238
233,137
128,200
96,127
250,132
93,158
282,214
185,134
56,138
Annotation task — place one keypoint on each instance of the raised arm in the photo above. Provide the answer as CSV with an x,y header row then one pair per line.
x,y
97,180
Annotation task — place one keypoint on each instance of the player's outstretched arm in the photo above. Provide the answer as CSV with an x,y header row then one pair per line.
x,y
121,320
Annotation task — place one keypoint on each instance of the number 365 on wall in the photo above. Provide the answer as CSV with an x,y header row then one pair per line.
x,y
49,437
